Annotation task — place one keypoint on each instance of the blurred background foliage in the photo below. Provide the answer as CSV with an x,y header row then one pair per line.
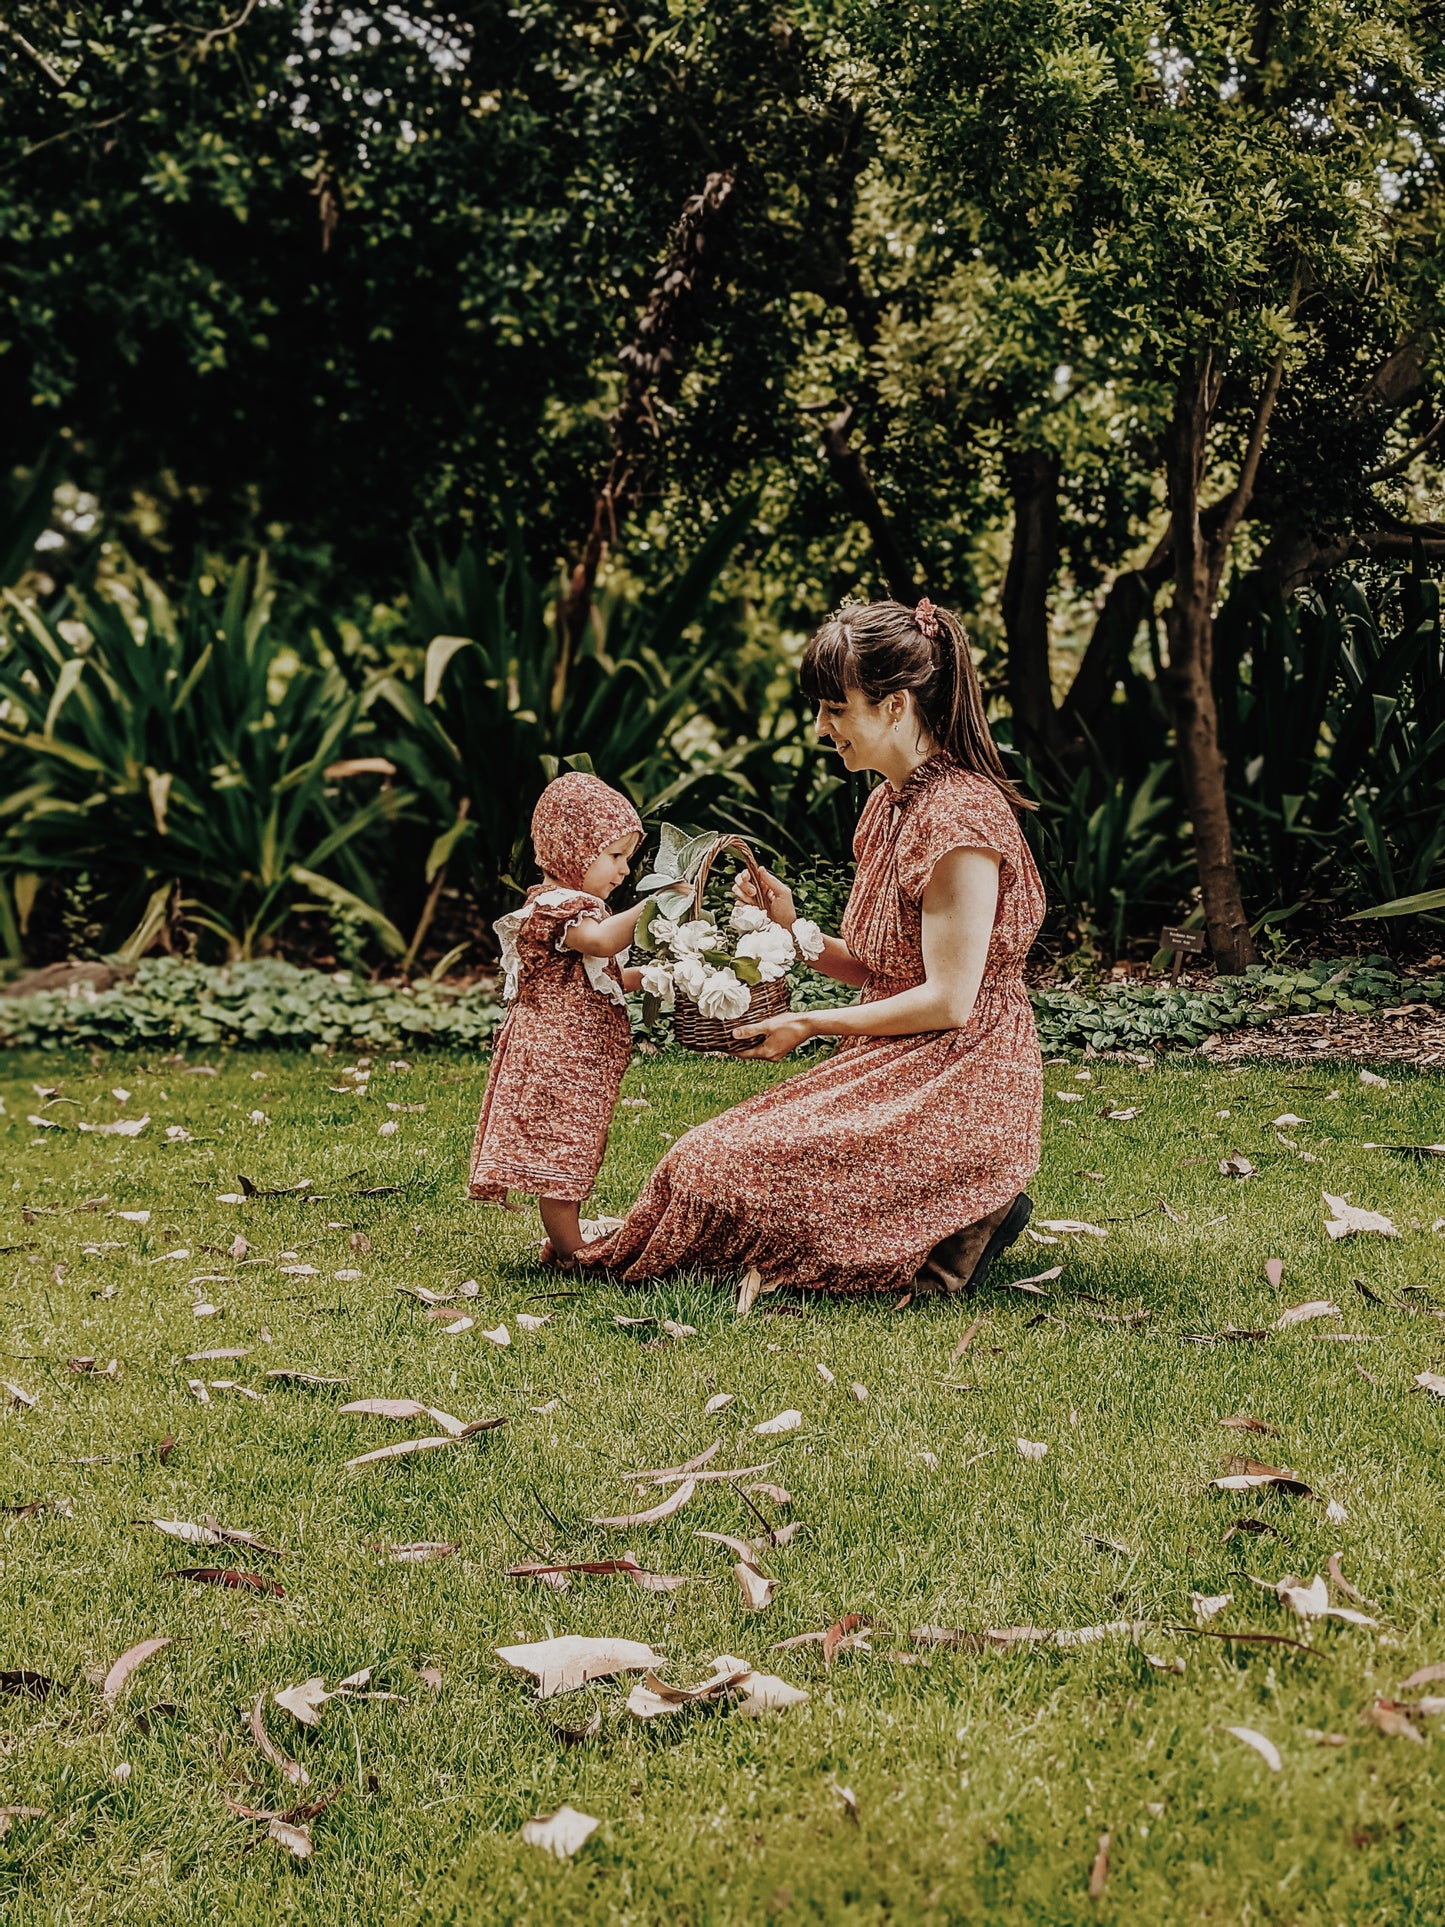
x,y
329,333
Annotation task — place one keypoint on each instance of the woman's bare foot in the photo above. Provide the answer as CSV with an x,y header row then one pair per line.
x,y
961,1262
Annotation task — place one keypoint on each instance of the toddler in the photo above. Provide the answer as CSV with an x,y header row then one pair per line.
x,y
558,1060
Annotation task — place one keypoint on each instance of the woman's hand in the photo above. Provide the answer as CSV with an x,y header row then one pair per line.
x,y
777,897
779,1035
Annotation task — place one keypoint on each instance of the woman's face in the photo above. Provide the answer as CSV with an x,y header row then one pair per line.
x,y
862,731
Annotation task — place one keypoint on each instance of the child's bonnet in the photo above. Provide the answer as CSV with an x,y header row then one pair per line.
x,y
576,818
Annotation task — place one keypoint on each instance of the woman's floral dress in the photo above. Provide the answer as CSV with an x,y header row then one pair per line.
x,y
844,1177
558,1061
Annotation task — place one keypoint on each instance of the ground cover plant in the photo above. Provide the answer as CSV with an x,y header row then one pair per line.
x,y
966,1777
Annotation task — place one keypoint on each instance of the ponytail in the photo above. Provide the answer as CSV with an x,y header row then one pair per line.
x,y
879,648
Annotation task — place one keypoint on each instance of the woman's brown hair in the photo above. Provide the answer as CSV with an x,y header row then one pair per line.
x,y
882,647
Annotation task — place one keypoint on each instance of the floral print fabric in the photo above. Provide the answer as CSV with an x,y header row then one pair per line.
x,y
576,817
844,1177
558,1061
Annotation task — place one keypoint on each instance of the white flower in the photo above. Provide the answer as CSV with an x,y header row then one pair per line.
x,y
657,982
746,918
771,948
809,939
699,934
724,996
689,974
662,930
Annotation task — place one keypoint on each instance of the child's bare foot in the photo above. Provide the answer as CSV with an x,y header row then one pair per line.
x,y
553,1260
562,1222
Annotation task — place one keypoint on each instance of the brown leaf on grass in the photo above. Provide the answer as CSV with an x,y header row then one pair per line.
x,y
1248,1475
689,1466
779,1494
21,1682
220,1352
1302,1314
673,1503
270,1752
744,1548
1208,1605
1241,1422
1317,1737
577,1735
1035,1284
968,1337
756,1588
1348,1219
1274,1272
1392,1720
227,1576
652,1697
561,1833
1251,1639
1340,1583
401,1450
210,1534
561,1665
626,1567
114,1682
1099,1872
1237,1165
304,1702
166,1447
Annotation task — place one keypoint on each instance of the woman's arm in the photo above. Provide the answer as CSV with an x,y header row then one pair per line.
x,y
603,936
837,960
959,906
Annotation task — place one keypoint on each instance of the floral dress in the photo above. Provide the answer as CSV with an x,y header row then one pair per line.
x,y
559,1059
846,1176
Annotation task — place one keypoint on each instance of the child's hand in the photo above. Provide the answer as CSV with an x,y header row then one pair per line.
x,y
777,897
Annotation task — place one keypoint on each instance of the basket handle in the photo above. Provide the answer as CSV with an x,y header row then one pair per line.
x,y
754,869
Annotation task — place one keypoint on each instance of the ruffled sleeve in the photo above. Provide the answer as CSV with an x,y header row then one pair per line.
x,y
955,811
566,908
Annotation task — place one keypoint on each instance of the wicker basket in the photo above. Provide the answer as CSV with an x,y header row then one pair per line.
x,y
711,1035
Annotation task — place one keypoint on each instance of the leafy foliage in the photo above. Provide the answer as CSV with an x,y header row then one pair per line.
x,y
188,744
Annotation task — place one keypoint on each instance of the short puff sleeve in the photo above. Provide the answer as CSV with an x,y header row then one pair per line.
x,y
959,811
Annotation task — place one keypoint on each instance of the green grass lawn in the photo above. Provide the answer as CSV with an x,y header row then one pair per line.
x,y
983,1780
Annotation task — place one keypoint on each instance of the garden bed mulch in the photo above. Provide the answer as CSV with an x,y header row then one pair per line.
x,y
1409,1034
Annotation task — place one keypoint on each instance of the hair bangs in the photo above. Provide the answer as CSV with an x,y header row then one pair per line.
x,y
828,669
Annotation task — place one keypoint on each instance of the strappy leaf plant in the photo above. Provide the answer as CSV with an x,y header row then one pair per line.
x,y
503,703
150,743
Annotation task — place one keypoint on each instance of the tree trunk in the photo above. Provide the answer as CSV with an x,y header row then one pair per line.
x,y
1189,623
856,487
1033,476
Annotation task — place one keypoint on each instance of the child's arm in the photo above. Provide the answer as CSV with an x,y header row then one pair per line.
x,y
605,936
631,979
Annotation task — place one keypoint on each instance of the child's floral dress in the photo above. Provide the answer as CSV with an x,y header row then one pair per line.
x,y
559,1059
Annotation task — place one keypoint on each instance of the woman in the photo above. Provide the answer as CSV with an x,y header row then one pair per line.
x,y
901,1161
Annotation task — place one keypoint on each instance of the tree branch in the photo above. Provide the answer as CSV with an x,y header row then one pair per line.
x,y
34,54
1399,466
856,486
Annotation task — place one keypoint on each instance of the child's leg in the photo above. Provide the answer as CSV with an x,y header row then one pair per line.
x,y
562,1221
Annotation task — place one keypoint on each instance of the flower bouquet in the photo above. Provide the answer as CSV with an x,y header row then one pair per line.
x,y
711,979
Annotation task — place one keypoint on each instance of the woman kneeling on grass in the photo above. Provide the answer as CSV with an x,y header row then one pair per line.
x,y
902,1160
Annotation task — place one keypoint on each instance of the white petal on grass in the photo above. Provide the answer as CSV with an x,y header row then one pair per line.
x,y
562,1665
1078,1227
673,1503
719,1401
123,1127
17,1395
756,1588
1031,1448
1347,1219
1208,1606
561,1833
1372,1077
198,1391
1432,1383
133,1217
766,1693
860,1392
1274,1272
501,1336
1336,1514
530,1321
389,1129
1266,1749
1302,1314
789,1421
286,1833
826,1376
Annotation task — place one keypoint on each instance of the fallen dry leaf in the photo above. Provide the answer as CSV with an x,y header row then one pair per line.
x,y
1310,1599
432,1676
530,1321
1424,1676
860,1392
1208,1605
1241,1422
1393,1721
403,1408
1266,1749
654,1697
1302,1314
210,1534
227,1576
1078,1227
18,1396
1274,1272
788,1421
765,1692
752,1287
419,1552
305,1701
296,1840
673,1503
270,1752
1031,1448
123,1127
756,1588
562,1665
718,1402
114,1682
23,1683
1349,1218
1431,1382
1247,1475
826,1376
1099,1872
1237,1165
561,1833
